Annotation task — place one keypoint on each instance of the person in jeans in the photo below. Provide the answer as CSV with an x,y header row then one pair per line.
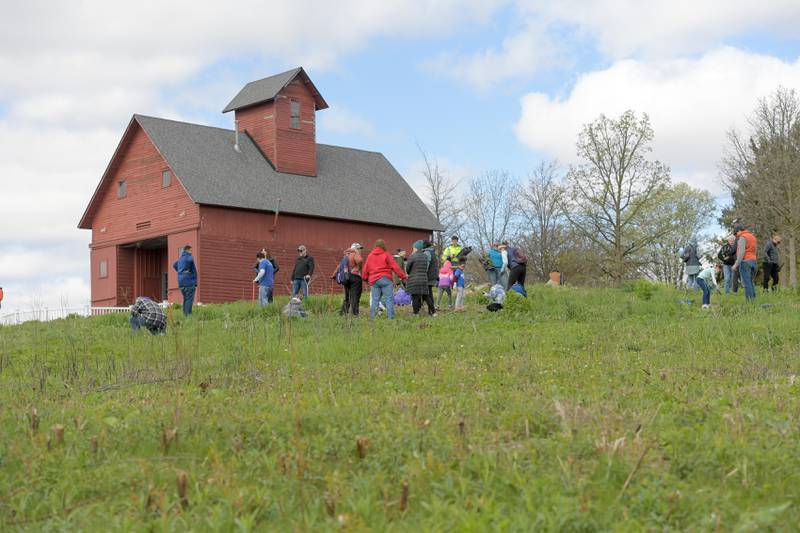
x,y
303,270
145,313
187,278
377,271
727,257
354,284
772,262
265,279
495,264
706,280
745,259
461,284
417,268
692,261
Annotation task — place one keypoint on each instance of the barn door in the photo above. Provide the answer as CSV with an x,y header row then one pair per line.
x,y
151,271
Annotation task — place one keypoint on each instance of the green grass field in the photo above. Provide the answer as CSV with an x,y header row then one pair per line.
x,y
576,410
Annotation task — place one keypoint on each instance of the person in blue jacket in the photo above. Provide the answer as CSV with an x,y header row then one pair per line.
x,y
187,278
265,279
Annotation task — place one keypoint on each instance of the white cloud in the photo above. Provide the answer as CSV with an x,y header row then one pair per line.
x,y
552,33
337,119
691,103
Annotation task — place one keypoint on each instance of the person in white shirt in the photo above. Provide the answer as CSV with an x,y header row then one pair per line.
x,y
706,279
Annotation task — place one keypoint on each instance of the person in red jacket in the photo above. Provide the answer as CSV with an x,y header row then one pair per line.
x,y
377,272
1,297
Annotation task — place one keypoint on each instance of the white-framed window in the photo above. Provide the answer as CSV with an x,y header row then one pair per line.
x,y
166,178
122,189
103,268
295,114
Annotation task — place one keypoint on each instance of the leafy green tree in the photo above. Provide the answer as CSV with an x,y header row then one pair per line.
x,y
613,191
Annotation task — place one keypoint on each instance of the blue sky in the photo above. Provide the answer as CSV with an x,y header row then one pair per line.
x,y
492,84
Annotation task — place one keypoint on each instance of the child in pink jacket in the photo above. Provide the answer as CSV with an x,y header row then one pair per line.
x,y
446,284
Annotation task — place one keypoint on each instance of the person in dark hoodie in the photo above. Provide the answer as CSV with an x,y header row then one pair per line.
x,y
417,267
377,271
692,260
433,266
303,270
187,278
727,257
772,262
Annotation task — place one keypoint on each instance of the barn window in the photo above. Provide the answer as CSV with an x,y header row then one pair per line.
x,y
166,178
295,108
122,190
103,268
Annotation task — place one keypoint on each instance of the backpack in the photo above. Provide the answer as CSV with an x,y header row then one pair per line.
x,y
462,255
520,256
275,266
343,270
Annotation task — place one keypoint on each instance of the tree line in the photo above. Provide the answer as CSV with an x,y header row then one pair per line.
x,y
613,216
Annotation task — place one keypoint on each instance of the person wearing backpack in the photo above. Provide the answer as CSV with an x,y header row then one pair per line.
x,y
517,264
348,275
417,268
377,271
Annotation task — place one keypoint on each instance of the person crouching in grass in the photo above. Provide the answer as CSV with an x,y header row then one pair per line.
x,y
706,279
145,313
460,283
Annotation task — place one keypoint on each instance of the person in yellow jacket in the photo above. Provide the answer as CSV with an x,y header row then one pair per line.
x,y
451,252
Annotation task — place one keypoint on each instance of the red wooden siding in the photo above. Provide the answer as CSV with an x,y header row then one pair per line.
x,y
296,148
166,208
291,150
125,276
259,121
230,238
104,290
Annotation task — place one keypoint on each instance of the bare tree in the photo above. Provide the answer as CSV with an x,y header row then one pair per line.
x,y
612,191
441,199
762,172
541,206
490,208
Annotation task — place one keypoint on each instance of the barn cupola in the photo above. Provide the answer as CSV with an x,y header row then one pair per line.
x,y
279,113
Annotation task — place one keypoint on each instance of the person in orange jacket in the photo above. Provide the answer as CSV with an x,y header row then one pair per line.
x,y
377,271
746,257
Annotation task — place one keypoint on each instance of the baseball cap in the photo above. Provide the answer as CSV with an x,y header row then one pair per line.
x,y
356,246
301,248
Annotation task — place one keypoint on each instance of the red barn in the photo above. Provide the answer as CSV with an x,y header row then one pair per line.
x,y
229,193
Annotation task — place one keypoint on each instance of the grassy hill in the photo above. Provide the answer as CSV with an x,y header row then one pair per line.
x,y
576,410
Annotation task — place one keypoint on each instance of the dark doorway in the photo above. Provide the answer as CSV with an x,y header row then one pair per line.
x,y
150,268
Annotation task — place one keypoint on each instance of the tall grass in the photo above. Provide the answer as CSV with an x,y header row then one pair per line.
x,y
571,410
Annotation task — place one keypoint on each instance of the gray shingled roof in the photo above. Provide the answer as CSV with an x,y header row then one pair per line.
x,y
350,184
267,89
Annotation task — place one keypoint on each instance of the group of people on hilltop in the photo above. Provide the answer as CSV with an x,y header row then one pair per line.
x,y
389,277
738,262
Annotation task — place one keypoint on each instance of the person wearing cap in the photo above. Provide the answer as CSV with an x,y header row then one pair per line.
x,y
745,264
187,278
354,283
303,270
451,252
377,271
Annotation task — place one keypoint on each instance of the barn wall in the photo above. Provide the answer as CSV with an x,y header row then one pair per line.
x,y
125,271
259,121
230,238
103,289
296,149
155,209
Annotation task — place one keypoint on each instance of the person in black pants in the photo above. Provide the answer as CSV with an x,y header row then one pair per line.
x,y
517,262
771,264
417,284
353,284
